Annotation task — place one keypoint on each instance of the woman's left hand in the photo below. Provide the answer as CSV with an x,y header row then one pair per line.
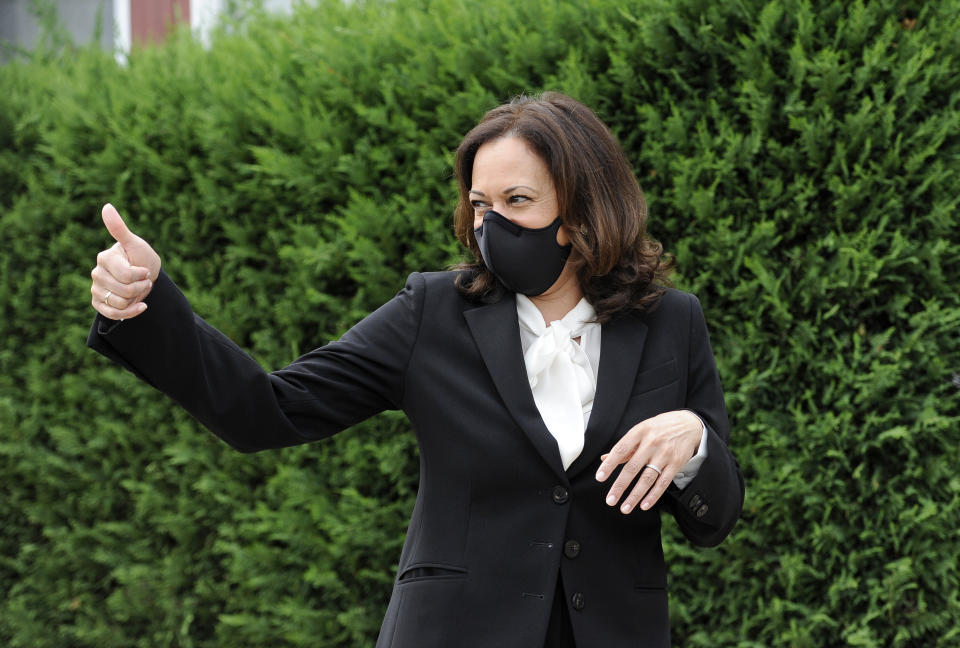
x,y
666,441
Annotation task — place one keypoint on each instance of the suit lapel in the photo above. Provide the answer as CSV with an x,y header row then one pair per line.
x,y
621,346
496,331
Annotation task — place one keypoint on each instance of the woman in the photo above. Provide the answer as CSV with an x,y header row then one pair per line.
x,y
562,399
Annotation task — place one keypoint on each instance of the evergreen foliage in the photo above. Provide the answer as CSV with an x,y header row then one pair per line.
x,y
801,159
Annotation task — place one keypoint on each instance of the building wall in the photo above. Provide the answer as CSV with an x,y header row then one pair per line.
x,y
150,20
19,28
123,23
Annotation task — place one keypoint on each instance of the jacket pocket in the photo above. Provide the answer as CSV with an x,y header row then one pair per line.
x,y
430,571
655,378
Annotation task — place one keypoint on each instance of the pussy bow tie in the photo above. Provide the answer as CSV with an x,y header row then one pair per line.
x,y
560,375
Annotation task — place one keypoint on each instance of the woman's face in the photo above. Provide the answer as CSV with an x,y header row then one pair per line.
x,y
509,178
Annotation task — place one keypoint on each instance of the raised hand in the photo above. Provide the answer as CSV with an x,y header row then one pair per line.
x,y
124,273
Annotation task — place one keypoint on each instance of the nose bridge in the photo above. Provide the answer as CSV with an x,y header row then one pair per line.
x,y
502,207
498,205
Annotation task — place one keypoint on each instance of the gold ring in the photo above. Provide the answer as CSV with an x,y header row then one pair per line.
x,y
106,297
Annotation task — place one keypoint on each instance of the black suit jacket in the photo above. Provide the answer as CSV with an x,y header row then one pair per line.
x,y
497,519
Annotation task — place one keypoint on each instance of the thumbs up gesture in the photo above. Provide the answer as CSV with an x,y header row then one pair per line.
x,y
125,272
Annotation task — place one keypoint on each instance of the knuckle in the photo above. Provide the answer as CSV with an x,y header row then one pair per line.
x,y
624,447
649,445
634,465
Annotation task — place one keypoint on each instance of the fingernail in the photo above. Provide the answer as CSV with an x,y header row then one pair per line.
x,y
611,500
601,475
142,307
625,508
645,506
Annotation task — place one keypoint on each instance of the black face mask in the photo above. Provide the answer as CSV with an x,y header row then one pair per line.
x,y
527,261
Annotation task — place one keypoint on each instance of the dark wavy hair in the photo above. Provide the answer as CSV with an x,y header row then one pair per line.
x,y
619,267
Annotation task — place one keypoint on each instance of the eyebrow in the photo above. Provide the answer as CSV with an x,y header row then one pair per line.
x,y
506,191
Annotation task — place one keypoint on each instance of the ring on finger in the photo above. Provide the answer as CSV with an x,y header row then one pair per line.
x,y
654,468
106,298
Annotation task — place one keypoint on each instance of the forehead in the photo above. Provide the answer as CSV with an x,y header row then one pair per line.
x,y
508,161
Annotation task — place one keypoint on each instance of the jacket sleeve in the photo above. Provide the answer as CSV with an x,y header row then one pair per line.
x,y
709,506
319,394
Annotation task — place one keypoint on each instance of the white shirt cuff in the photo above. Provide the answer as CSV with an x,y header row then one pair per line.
x,y
689,470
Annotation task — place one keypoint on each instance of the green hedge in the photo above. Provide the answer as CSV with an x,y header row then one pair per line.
x,y
801,158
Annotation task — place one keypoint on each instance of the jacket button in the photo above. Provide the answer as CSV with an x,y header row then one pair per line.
x,y
571,549
702,511
577,600
695,501
560,495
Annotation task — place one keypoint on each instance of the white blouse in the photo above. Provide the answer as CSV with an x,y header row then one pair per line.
x,y
563,377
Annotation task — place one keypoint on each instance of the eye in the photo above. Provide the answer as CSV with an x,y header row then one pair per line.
x,y
477,204
518,198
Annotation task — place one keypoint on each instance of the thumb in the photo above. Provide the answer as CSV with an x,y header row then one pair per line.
x,y
115,225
